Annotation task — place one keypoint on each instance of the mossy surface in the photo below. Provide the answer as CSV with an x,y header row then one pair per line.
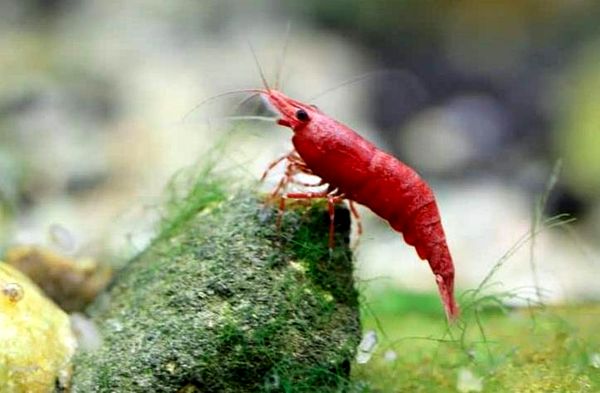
x,y
225,302
533,350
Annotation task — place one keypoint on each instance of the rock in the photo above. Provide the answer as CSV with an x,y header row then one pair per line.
x,y
36,342
228,303
467,381
71,283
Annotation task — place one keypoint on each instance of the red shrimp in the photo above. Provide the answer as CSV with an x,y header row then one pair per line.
x,y
356,170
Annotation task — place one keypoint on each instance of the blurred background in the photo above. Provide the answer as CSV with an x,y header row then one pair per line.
x,y
99,108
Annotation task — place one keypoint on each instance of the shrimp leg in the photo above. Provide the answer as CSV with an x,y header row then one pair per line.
x,y
332,199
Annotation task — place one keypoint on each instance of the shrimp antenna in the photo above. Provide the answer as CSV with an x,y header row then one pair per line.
x,y
212,98
244,101
411,79
260,71
286,41
259,118
345,83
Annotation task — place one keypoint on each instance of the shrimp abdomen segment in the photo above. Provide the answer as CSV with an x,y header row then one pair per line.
x,y
397,193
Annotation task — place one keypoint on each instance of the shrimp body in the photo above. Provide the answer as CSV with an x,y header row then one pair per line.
x,y
364,174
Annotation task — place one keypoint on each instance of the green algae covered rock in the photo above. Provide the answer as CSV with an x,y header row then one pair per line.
x,y
224,302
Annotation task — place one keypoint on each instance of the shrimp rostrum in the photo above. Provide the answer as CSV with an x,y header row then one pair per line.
x,y
355,169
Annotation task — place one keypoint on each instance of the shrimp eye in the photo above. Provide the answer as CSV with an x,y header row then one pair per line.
x,y
302,115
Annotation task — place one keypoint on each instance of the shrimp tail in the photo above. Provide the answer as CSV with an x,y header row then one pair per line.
x,y
421,226
435,250
445,282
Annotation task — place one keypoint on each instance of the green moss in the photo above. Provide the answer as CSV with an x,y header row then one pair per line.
x,y
223,301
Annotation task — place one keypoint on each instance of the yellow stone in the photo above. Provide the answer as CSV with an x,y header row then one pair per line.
x,y
36,341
